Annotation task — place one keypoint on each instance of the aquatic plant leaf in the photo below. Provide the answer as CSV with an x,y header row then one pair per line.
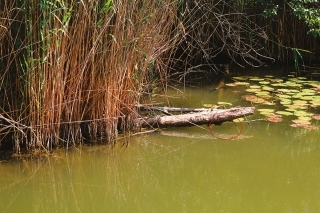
x,y
256,79
316,117
266,111
283,90
267,88
242,83
241,78
274,118
284,113
224,103
255,87
276,80
300,113
231,85
282,96
253,90
264,82
209,105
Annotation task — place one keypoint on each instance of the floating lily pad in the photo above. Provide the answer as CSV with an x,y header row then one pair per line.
x,y
307,90
253,90
283,90
291,109
286,102
254,99
240,78
292,84
263,94
238,120
293,91
277,85
316,117
224,103
284,113
209,105
264,82
255,87
242,83
266,88
307,98
282,96
276,80
302,78
297,95
256,79
300,102
296,106
266,111
300,113
274,118
315,104
231,85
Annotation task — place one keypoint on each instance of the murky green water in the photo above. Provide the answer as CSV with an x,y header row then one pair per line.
x,y
270,168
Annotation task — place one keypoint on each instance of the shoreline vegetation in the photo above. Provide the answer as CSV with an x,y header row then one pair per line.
x,y
77,69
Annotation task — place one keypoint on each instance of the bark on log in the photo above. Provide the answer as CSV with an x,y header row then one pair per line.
x,y
211,116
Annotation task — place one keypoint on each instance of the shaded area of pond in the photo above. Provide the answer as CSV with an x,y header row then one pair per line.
x,y
270,168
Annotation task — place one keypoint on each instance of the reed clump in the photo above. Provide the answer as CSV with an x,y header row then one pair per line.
x,y
80,67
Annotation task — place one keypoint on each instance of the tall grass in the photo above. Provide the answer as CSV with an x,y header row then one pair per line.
x,y
82,68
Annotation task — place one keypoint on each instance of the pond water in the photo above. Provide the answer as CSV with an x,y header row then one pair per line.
x,y
270,167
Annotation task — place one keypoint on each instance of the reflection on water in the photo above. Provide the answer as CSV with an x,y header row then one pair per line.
x,y
270,168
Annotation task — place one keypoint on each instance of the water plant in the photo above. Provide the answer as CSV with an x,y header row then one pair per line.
x,y
295,100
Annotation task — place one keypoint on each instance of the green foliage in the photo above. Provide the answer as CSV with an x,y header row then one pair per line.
x,y
309,12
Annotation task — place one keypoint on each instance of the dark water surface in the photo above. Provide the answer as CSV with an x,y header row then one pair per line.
x,y
269,168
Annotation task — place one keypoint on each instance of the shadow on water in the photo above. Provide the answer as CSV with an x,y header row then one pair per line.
x,y
270,168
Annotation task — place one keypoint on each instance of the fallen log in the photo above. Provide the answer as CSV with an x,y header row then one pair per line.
x,y
210,116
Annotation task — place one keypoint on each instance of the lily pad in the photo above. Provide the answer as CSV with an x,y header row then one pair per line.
x,y
274,118
238,120
266,111
256,79
231,85
242,83
224,103
209,105
301,113
316,117
283,90
286,102
284,113
267,88
240,78
253,90
264,82
282,96
276,80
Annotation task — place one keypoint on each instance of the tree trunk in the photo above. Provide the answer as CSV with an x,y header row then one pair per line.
x,y
210,116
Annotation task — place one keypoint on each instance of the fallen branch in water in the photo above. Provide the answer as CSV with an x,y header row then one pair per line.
x,y
208,116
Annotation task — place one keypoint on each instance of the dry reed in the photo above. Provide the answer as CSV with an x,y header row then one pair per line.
x,y
83,67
